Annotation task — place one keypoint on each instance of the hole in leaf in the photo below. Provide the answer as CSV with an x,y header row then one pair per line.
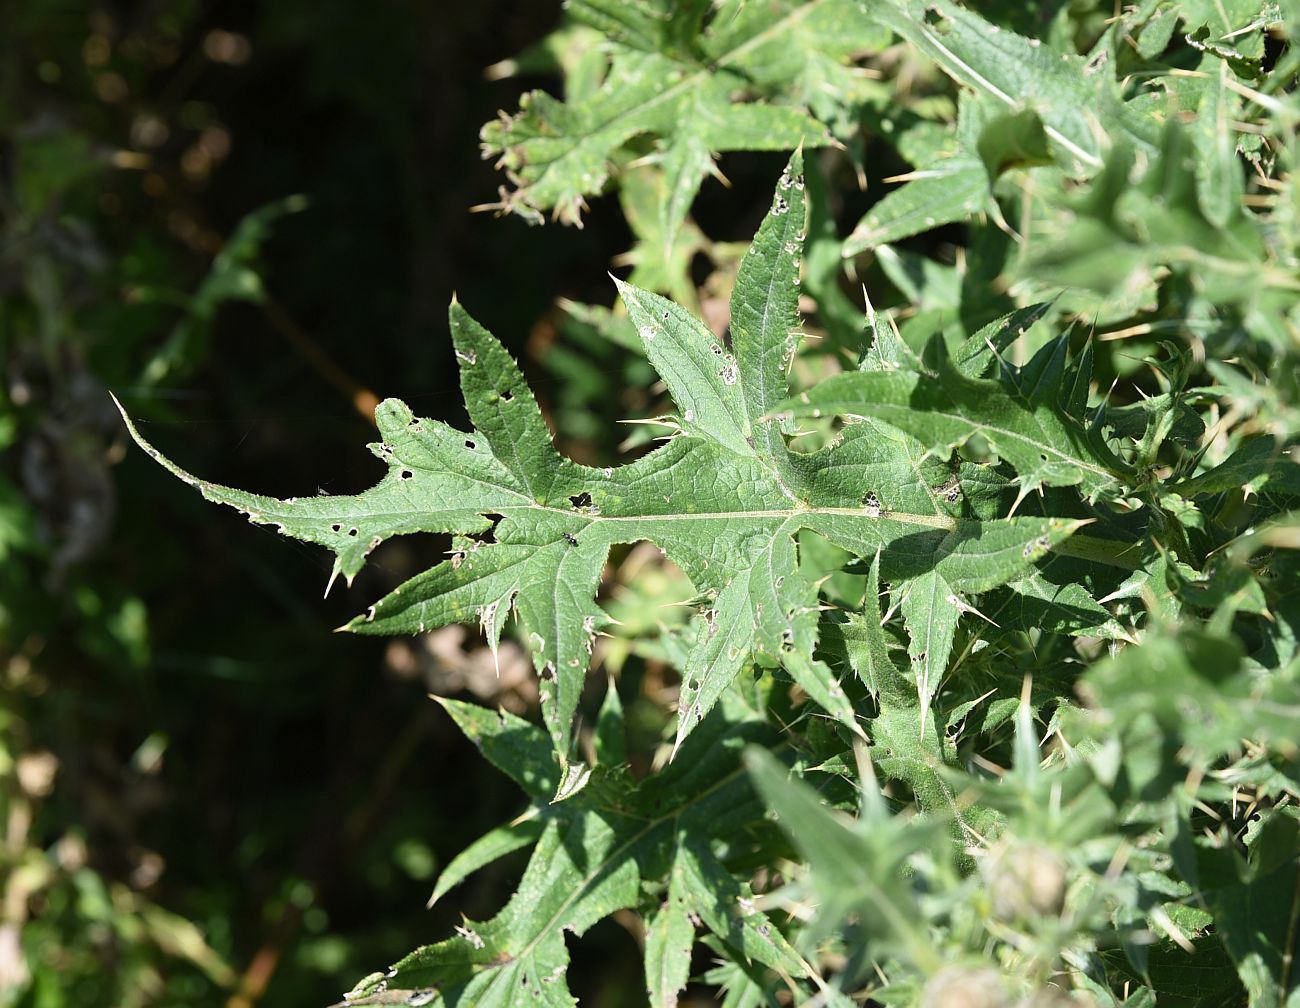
x,y
488,536
470,444
352,532
507,395
336,527
582,500
406,474
937,21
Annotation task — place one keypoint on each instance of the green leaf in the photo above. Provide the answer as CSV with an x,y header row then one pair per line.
x,y
946,191
701,374
764,314
671,80
1261,463
931,617
1014,71
1256,919
1139,215
856,866
1040,599
858,640
1218,170
593,858
1013,140
610,743
509,743
1157,31
491,846
669,938
233,277
664,250
905,740
979,353
645,25
1046,447
724,498
1191,687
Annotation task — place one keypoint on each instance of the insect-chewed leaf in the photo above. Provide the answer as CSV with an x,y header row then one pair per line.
x,y
724,499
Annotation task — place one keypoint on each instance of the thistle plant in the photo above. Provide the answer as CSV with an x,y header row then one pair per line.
x,y
989,689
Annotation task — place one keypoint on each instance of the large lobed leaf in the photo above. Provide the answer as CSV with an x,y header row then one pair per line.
x,y
697,84
724,499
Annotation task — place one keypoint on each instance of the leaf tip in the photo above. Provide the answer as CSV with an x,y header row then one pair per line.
x,y
573,778
126,419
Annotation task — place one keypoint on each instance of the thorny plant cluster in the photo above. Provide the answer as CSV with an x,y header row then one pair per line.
x,y
989,690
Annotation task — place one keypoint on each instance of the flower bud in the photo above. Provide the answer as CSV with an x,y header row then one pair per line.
x,y
1025,880
963,987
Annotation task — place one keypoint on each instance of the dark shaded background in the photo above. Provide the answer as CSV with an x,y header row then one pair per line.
x,y
220,753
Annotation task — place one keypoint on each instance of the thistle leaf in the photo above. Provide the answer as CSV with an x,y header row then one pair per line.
x,y
724,498
741,80
592,857
1023,424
